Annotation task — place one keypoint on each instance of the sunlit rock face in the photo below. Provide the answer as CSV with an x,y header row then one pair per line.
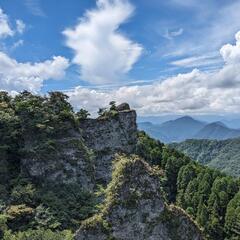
x,y
109,136
135,208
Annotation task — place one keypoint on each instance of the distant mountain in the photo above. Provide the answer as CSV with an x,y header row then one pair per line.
x,y
223,155
218,131
234,123
187,127
173,130
154,131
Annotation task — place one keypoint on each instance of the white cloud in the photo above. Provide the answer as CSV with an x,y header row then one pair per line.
x,y
16,76
5,29
194,92
34,7
102,52
17,44
172,34
199,61
20,26
231,53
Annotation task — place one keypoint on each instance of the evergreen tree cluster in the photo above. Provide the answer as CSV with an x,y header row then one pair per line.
x,y
210,197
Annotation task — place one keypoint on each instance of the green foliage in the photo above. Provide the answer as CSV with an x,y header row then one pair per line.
x,y
37,121
223,155
205,194
30,125
108,112
83,114
171,161
149,149
232,219
68,203
38,234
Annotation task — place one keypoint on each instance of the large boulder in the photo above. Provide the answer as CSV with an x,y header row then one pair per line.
x,y
123,107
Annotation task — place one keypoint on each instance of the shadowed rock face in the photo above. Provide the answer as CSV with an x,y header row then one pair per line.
x,y
135,209
85,155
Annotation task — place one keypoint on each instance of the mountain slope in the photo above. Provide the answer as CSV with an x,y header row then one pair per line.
x,y
53,160
154,131
174,130
135,209
223,155
218,131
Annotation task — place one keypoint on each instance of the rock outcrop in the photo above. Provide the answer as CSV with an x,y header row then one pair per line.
x,y
108,136
134,208
84,155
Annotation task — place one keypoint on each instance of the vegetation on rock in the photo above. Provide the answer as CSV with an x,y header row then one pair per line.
x,y
43,136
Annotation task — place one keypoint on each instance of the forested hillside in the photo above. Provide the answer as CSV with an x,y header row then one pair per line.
x,y
51,203
223,155
208,195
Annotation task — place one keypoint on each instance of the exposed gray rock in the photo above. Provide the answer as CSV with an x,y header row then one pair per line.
x,y
135,209
123,107
85,155
68,160
108,136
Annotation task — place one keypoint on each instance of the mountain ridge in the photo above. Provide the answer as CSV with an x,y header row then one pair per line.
x,y
187,127
218,131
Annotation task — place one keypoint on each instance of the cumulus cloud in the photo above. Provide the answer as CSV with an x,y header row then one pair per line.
x,y
194,92
17,76
102,52
231,53
5,29
30,76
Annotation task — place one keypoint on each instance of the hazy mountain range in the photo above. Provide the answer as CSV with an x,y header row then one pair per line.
x,y
187,127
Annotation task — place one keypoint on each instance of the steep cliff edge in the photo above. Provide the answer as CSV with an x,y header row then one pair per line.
x,y
135,209
84,153
108,136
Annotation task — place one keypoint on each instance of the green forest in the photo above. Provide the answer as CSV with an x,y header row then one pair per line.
x,y
32,210
223,155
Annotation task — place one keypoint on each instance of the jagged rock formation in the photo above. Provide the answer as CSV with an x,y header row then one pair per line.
x,y
108,136
84,155
134,208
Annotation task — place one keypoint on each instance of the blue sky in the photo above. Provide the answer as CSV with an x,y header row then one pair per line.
x,y
125,50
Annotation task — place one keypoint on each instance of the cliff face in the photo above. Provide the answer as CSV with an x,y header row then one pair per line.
x,y
85,155
108,136
134,208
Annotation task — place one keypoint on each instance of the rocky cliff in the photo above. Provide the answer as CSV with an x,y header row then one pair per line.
x,y
135,208
108,136
84,154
